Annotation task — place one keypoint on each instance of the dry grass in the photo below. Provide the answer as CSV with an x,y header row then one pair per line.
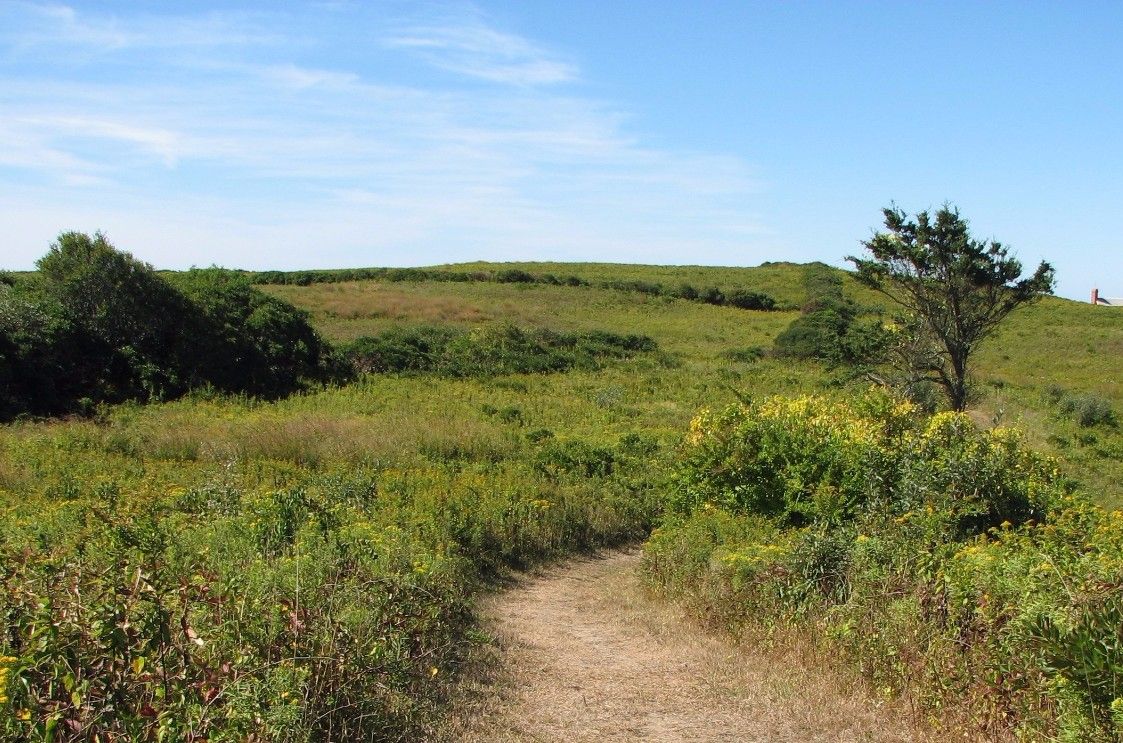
x,y
349,310
353,301
587,656
309,441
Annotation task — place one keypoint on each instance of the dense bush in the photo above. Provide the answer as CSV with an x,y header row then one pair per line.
x,y
1087,410
489,351
244,340
953,564
829,327
514,276
750,300
97,325
809,460
336,275
711,295
686,291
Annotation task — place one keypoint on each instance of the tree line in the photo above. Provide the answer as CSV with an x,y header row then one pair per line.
x,y
741,298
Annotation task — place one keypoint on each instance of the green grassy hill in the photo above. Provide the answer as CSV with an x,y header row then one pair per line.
x,y
346,529
1055,346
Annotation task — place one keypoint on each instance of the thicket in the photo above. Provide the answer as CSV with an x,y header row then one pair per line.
x,y
741,298
489,351
830,327
96,325
272,602
954,565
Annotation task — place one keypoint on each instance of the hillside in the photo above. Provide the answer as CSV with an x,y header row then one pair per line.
x,y
1054,347
312,562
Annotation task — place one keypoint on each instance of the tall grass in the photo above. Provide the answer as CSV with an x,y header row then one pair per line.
x,y
325,548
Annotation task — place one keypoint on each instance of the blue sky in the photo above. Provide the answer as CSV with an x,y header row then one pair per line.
x,y
405,133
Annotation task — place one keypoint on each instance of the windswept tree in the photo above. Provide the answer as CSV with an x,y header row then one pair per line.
x,y
955,290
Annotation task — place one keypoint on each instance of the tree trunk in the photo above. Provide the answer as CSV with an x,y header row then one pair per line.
x,y
957,392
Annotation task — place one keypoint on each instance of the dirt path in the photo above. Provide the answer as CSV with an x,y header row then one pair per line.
x,y
585,655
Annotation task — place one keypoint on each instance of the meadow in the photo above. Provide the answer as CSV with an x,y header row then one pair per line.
x,y
230,568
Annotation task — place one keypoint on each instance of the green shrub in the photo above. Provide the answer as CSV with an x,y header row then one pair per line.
x,y
488,351
245,341
641,287
774,457
1087,410
711,295
399,350
829,328
575,457
686,291
744,355
514,276
750,300
96,325
952,564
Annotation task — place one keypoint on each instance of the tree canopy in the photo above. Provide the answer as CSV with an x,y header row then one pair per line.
x,y
954,288
95,324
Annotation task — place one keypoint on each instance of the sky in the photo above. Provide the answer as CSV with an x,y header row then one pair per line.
x,y
344,134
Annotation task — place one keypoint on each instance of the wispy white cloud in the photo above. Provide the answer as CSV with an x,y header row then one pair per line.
x,y
160,143
292,76
28,26
481,52
250,154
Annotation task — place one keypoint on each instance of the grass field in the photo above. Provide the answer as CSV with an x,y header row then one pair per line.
x,y
195,514
1056,343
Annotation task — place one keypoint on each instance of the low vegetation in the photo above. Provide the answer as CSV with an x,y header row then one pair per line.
x,y
290,548
741,298
502,349
953,565
303,572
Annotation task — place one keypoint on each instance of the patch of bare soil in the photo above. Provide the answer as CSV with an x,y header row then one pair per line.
x,y
583,654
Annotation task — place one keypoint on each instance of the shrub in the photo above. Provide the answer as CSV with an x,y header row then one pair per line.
x,y
246,341
96,325
771,457
399,350
711,295
1087,410
750,300
686,291
641,287
744,355
952,564
514,276
488,351
829,328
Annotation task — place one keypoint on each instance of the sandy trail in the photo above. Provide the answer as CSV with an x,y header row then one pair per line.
x,y
584,655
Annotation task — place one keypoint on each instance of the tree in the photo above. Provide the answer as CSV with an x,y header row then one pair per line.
x,y
955,289
245,340
122,323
